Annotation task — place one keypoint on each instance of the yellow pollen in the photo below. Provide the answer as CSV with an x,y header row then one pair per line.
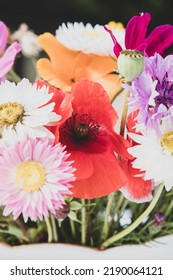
x,y
10,113
31,175
167,141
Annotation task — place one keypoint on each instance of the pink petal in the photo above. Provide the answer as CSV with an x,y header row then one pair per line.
x,y
136,30
117,48
7,60
3,36
159,39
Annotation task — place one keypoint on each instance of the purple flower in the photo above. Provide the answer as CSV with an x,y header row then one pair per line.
x,y
158,40
152,92
8,57
159,218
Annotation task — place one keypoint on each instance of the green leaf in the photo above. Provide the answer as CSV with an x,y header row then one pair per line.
x,y
74,205
15,231
72,215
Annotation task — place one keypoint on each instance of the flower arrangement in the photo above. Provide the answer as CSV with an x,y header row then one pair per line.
x,y
86,148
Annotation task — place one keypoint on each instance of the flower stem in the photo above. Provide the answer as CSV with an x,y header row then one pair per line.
x,y
124,114
115,95
73,230
54,229
119,203
49,229
105,230
136,223
12,75
83,233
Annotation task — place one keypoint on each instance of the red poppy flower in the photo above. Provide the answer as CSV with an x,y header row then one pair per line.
x,y
90,139
136,188
158,40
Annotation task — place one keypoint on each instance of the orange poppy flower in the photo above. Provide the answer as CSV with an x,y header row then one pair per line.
x,y
64,67
89,137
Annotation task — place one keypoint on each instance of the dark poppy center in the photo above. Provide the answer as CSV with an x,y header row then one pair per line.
x,y
79,130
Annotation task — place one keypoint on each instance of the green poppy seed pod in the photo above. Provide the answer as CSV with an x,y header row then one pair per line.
x,y
130,64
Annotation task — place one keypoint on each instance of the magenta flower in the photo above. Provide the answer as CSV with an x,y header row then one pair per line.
x,y
158,40
35,177
9,55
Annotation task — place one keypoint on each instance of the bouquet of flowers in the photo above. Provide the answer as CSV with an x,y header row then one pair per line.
x,y
86,147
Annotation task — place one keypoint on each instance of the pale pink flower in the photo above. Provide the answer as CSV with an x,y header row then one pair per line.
x,y
9,54
35,177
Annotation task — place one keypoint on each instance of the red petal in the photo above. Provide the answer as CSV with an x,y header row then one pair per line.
x,y
91,98
136,189
82,163
106,178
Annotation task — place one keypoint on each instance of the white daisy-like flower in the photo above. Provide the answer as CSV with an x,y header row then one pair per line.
x,y
154,156
89,39
24,109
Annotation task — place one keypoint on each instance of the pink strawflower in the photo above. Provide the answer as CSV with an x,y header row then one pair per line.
x,y
35,177
9,55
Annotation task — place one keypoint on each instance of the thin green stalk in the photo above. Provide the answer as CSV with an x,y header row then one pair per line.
x,y
73,230
124,114
54,229
12,75
49,230
119,203
169,209
136,223
83,223
105,229
116,94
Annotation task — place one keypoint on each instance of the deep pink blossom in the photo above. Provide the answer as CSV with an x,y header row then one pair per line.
x,y
136,37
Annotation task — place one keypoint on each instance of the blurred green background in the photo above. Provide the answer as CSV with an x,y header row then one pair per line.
x,y
46,15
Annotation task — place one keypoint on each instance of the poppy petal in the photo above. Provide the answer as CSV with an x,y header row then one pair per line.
x,y
107,177
135,189
91,98
60,57
52,75
82,163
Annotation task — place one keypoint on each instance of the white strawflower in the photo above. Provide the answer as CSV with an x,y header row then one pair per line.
x,y
89,39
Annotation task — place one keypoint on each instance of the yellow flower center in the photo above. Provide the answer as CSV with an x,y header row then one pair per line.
x,y
167,141
31,174
114,25
10,113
